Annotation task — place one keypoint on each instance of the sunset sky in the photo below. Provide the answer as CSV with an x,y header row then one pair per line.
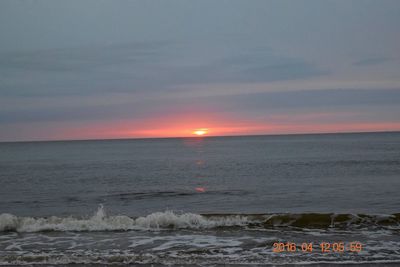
x,y
88,69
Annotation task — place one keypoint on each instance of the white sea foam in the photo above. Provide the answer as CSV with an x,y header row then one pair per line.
x,y
7,222
101,222
172,220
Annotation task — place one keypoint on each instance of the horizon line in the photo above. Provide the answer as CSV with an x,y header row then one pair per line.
x,y
197,137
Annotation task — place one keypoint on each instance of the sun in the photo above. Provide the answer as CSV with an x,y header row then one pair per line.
x,y
200,132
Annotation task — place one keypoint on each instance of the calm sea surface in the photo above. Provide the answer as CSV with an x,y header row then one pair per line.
x,y
201,201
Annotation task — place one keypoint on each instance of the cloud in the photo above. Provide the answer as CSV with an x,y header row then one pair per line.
x,y
140,67
371,61
241,105
292,100
265,65
77,71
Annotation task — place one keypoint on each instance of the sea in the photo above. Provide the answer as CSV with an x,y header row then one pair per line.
x,y
315,199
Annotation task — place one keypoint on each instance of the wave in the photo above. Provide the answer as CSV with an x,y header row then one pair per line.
x,y
172,220
101,222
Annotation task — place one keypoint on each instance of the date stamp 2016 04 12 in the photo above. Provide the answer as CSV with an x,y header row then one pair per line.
x,y
324,247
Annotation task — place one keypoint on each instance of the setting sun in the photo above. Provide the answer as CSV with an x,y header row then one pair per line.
x,y
200,132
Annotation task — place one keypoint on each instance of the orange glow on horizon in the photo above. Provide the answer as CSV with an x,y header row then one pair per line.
x,y
145,131
200,132
186,125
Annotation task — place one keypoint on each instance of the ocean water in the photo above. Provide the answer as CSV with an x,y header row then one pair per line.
x,y
202,201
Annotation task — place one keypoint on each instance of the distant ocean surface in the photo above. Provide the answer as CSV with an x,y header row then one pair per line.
x,y
201,201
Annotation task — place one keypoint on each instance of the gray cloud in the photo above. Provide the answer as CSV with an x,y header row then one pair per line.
x,y
371,61
255,103
292,100
142,66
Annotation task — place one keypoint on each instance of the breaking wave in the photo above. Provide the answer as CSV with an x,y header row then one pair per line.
x,y
172,220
